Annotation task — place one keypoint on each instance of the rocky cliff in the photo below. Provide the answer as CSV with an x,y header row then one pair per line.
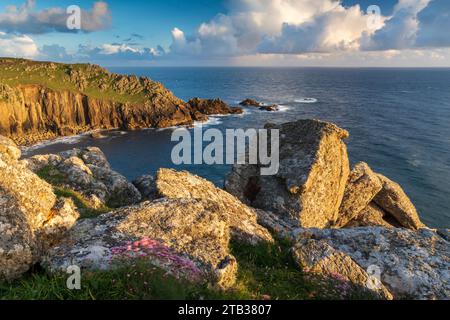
x,y
41,101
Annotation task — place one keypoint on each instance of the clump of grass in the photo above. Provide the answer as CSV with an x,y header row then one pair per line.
x,y
84,207
52,175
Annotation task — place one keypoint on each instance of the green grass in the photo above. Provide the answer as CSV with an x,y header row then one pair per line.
x,y
56,76
265,271
83,206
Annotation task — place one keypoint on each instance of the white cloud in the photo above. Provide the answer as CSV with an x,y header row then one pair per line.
x,y
277,26
17,46
26,20
401,28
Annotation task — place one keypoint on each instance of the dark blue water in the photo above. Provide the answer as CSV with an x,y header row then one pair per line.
x,y
399,121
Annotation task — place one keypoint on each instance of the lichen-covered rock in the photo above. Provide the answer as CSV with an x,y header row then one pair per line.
x,y
363,185
372,216
89,173
313,173
413,264
183,185
9,148
320,258
31,217
394,200
147,187
281,226
192,229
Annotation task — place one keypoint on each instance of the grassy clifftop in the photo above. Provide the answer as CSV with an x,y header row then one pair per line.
x,y
91,80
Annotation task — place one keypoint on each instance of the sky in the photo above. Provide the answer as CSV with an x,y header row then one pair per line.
x,y
345,33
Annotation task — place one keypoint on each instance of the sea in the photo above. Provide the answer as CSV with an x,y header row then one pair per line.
x,y
398,119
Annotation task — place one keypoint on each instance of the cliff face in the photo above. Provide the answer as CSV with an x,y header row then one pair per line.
x,y
40,100
32,113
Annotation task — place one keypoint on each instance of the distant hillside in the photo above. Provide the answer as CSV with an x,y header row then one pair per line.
x,y
43,100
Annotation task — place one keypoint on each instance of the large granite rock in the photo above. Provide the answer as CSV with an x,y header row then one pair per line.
x,y
362,187
31,217
88,172
183,185
190,237
413,264
394,200
313,173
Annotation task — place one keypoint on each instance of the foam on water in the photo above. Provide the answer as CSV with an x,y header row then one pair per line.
x,y
306,100
62,140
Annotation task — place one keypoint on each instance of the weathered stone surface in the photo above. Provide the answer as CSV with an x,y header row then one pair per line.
x,y
281,226
394,200
372,216
147,187
9,148
320,258
31,217
194,229
242,182
88,172
363,185
310,184
183,185
413,264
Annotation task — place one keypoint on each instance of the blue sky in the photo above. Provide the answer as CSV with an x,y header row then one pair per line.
x,y
230,32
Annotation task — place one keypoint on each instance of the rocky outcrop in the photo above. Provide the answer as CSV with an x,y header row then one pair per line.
x,y
313,188
31,217
362,187
250,103
318,257
310,184
88,172
210,107
188,238
242,219
271,108
71,99
394,200
412,264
